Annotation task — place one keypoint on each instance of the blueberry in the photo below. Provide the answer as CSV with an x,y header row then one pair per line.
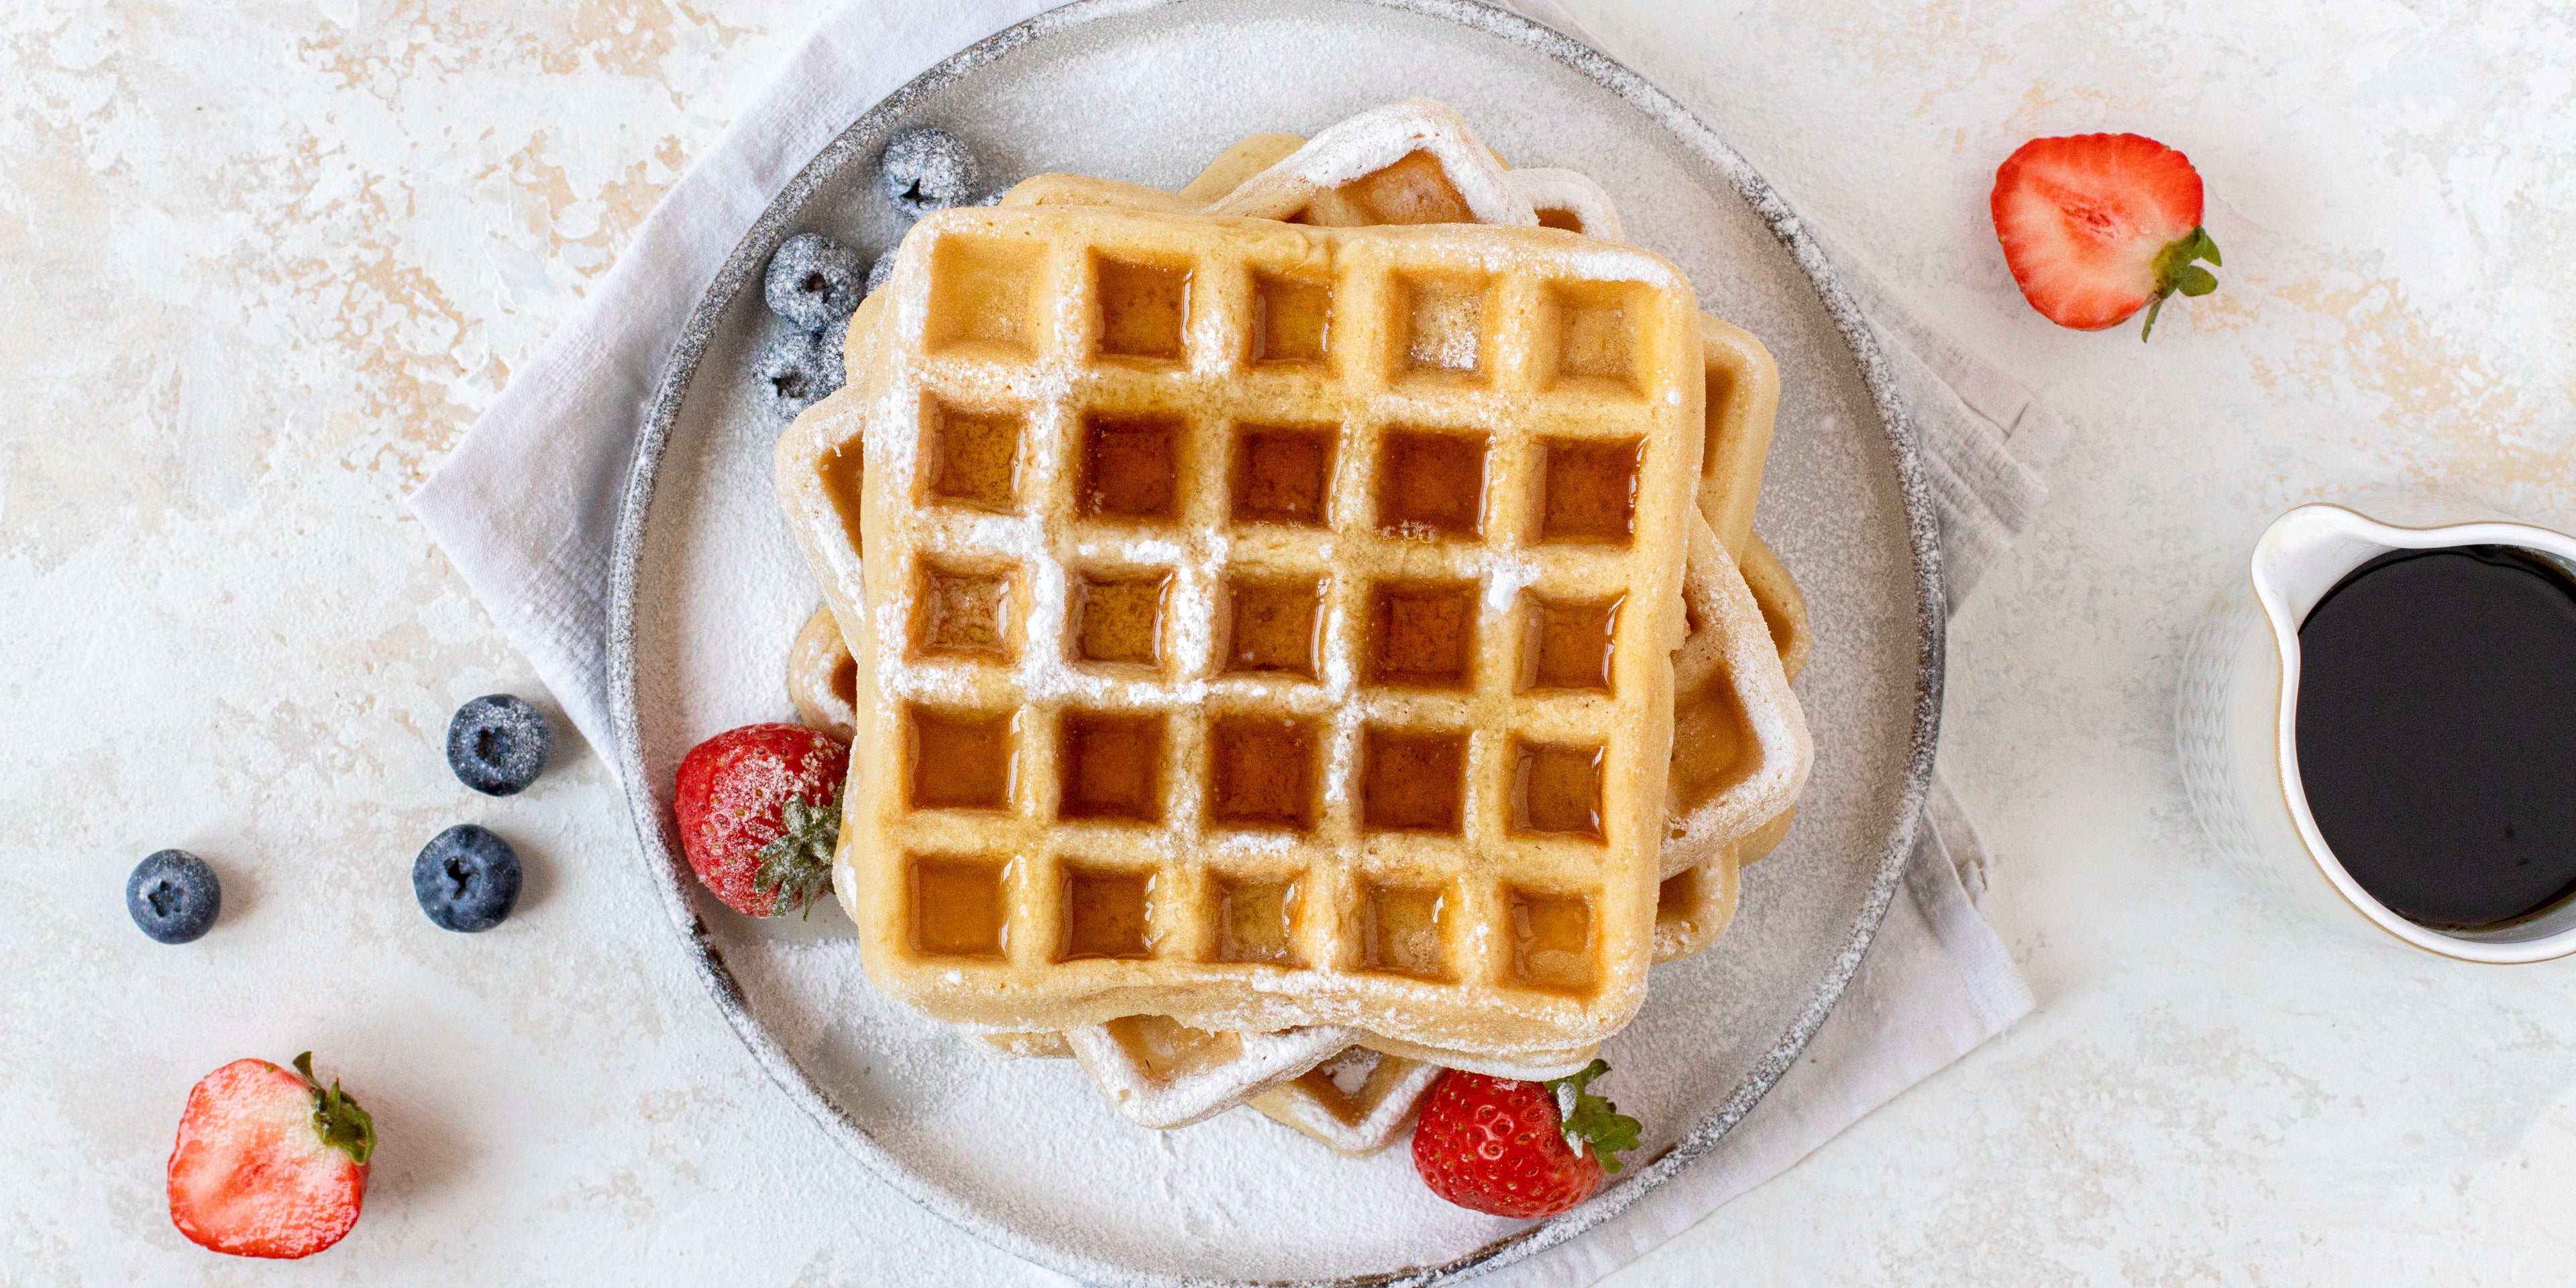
x,y
798,369
814,281
927,170
466,878
173,896
497,744
879,271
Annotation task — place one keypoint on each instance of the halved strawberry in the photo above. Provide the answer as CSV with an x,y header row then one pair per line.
x,y
269,1163
2098,226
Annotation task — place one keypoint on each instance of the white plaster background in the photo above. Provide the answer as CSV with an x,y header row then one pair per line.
x,y
261,265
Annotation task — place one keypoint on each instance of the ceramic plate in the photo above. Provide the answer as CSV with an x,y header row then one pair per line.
x,y
1025,1153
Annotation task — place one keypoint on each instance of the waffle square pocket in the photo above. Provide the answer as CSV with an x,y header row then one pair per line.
x,y
1251,692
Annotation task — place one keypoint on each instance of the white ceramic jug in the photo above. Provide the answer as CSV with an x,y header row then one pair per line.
x,y
2236,715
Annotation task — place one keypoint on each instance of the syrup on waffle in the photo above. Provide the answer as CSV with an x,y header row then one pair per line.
x,y
1085,702
1685,915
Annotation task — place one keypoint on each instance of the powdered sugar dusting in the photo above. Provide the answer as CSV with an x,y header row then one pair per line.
x,y
1374,140
1574,193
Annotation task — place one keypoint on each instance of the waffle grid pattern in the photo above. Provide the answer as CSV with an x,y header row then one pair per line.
x,y
1102,842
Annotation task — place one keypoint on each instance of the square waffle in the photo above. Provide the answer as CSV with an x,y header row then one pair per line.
x,y
1221,529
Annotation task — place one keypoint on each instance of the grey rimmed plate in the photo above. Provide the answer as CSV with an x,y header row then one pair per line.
x,y
710,588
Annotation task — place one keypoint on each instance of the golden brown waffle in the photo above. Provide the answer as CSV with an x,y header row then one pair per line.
x,y
1386,936
1357,1103
1693,905
822,677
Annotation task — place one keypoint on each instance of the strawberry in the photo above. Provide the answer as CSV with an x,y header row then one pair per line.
x,y
760,810
2098,226
269,1163
1519,1149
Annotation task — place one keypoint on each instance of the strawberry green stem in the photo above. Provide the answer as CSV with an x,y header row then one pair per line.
x,y
2177,273
1591,1121
342,1124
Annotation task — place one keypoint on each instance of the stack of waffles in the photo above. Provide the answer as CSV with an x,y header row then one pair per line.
x,y
1311,632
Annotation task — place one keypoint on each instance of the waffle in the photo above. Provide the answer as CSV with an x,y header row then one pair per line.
x,y
1414,162
1740,744
1236,164
1357,1103
1405,930
822,677
1683,902
1570,200
1036,1045
1784,608
1784,612
1161,1073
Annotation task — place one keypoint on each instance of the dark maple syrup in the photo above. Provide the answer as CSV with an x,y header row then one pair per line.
x,y
1569,646
1412,782
1292,319
2437,732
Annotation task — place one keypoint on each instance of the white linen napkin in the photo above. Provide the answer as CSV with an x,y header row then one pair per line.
x,y
526,508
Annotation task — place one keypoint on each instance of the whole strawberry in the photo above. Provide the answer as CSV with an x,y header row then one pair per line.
x,y
1518,1149
269,1163
760,810
2098,226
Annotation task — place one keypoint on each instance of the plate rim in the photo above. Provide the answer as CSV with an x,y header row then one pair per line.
x,y
654,831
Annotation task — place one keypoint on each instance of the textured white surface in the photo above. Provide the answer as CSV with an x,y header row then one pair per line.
x,y
258,268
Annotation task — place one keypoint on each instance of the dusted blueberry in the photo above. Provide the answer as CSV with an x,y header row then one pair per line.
x,y
798,370
496,744
927,170
466,879
173,896
879,271
814,281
